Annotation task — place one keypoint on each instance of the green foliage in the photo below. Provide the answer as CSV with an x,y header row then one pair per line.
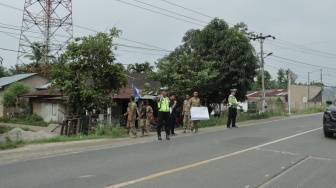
x,y
4,129
87,74
240,118
29,119
312,110
3,72
9,144
218,58
10,96
145,67
187,73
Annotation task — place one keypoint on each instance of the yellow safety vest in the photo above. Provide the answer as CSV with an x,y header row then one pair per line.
x,y
163,104
235,101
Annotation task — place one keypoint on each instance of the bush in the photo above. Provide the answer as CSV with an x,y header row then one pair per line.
x,y
4,129
31,119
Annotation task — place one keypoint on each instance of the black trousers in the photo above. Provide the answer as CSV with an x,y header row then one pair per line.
x,y
163,116
172,122
232,117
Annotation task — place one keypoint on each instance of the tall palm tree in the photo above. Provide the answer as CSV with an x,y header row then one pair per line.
x,y
145,67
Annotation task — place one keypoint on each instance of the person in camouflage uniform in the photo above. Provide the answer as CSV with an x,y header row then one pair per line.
x,y
132,117
149,114
195,102
143,117
186,114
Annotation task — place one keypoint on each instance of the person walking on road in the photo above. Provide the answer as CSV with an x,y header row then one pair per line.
x,y
186,114
132,116
149,113
195,102
172,116
163,115
233,104
143,118
128,114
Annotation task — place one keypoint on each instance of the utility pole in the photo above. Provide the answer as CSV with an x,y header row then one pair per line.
x,y
308,87
289,91
321,85
261,39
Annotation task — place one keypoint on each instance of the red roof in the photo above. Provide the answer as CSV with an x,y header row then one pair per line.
x,y
268,93
43,94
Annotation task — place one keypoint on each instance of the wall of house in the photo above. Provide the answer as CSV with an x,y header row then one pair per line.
x,y
300,91
50,110
34,81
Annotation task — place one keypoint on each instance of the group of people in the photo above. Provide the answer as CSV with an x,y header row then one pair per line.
x,y
167,114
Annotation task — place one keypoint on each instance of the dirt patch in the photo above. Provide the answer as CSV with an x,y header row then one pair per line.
x,y
19,134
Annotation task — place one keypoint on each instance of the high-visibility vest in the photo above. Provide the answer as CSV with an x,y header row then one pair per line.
x,y
235,101
163,104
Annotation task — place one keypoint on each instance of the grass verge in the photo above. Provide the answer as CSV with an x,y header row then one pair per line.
x,y
100,133
240,117
30,119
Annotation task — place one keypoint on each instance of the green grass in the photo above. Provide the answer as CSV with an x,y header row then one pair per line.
x,y
100,133
31,119
312,110
240,117
4,129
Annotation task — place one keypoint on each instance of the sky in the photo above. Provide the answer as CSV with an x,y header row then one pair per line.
x,y
305,30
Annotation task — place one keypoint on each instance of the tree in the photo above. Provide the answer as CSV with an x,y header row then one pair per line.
x,y
39,57
145,67
229,50
187,73
257,85
87,75
3,72
283,78
17,69
11,95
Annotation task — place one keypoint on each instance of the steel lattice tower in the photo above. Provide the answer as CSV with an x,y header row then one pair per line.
x,y
47,23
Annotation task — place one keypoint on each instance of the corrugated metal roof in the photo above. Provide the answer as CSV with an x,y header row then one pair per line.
x,y
11,79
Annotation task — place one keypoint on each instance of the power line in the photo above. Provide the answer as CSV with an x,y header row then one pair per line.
x,y
159,13
303,51
140,52
10,6
310,49
170,11
188,9
137,47
303,63
9,50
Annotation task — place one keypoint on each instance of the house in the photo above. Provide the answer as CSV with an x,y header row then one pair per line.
x,y
32,79
271,97
141,82
48,103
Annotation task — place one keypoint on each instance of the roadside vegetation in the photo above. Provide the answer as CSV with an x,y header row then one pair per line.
x,y
29,119
100,133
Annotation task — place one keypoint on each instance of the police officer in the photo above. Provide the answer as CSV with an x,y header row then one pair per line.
x,y
164,112
233,104
195,102
143,118
132,116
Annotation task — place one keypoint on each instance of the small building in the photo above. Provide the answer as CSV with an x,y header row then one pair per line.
x,y
48,103
32,79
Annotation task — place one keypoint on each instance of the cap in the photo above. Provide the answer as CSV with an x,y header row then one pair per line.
x,y
164,89
233,90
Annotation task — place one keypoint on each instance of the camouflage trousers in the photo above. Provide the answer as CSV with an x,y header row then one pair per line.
x,y
186,121
143,126
131,126
194,125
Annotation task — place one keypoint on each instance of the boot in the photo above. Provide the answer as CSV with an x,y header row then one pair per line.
x,y
167,137
185,131
159,137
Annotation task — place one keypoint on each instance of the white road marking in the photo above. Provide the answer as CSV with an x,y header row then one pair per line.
x,y
267,175
283,167
275,151
205,162
247,186
86,176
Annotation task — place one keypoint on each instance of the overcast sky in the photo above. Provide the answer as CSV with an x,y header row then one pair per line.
x,y
310,23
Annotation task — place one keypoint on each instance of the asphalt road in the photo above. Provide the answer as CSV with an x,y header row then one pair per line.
x,y
286,153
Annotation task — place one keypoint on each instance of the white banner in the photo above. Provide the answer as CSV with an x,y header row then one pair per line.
x,y
199,113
